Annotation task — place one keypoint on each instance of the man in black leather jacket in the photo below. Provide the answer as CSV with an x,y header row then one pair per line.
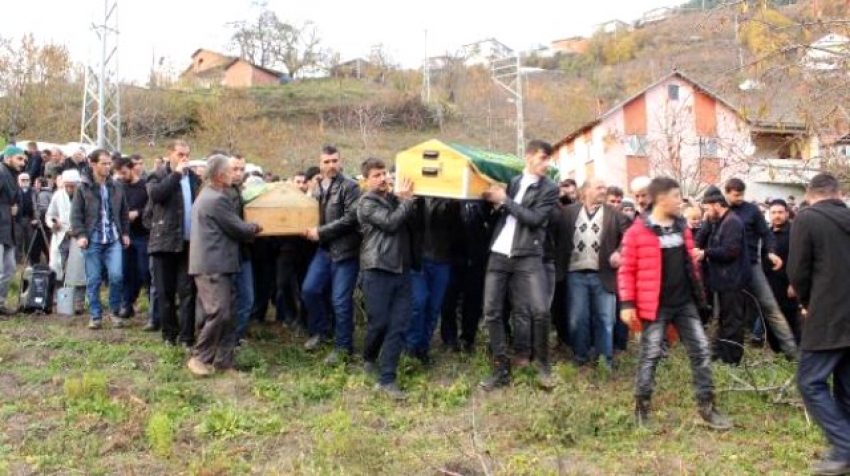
x,y
172,190
386,258
516,264
335,264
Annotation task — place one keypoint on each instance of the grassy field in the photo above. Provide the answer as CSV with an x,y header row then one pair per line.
x,y
118,401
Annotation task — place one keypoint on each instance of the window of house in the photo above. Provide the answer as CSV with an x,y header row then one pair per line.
x,y
637,145
708,147
673,92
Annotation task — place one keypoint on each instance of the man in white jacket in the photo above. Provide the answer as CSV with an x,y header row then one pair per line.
x,y
66,258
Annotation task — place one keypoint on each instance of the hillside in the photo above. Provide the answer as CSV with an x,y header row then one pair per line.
x,y
282,127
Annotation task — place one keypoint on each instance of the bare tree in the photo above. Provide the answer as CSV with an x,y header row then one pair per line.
x,y
270,42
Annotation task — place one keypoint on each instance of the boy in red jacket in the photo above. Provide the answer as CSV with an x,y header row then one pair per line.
x,y
659,284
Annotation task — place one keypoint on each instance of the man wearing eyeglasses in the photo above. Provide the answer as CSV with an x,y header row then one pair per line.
x,y
172,190
335,265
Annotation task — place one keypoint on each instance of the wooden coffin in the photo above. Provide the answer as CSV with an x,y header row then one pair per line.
x,y
283,210
448,170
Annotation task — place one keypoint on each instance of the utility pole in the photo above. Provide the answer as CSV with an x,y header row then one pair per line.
x,y
101,115
738,42
426,69
507,73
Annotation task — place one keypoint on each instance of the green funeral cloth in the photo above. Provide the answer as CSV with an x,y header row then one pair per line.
x,y
251,193
499,167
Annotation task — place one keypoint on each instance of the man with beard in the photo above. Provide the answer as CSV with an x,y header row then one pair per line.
x,y
101,225
26,220
780,226
13,162
728,272
334,267
567,191
137,274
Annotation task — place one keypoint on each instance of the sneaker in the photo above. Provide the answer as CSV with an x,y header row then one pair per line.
x,y
314,343
545,378
831,466
95,324
117,322
371,369
199,368
501,377
337,357
150,327
392,391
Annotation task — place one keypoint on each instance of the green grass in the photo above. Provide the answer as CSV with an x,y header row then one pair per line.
x,y
119,402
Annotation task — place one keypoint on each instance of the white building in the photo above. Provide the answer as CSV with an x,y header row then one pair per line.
x,y
484,52
830,53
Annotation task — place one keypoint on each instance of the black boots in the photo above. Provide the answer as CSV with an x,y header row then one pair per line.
x,y
709,414
707,411
501,376
540,335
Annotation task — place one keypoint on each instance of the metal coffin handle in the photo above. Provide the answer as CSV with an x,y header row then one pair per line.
x,y
431,171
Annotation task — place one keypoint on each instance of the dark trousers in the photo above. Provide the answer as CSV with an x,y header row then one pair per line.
x,y
288,295
464,299
389,305
831,410
728,346
525,278
559,311
24,233
137,273
171,271
217,339
40,245
264,265
687,322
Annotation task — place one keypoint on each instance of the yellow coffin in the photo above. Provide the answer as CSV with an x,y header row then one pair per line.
x,y
446,170
283,210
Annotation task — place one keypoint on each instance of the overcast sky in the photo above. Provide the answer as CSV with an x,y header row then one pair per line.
x,y
174,29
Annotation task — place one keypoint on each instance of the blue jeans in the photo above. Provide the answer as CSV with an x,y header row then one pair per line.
x,y
429,289
243,281
340,276
98,256
831,410
137,273
388,298
591,307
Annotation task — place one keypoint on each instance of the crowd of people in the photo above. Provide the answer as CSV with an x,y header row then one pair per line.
x,y
592,263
